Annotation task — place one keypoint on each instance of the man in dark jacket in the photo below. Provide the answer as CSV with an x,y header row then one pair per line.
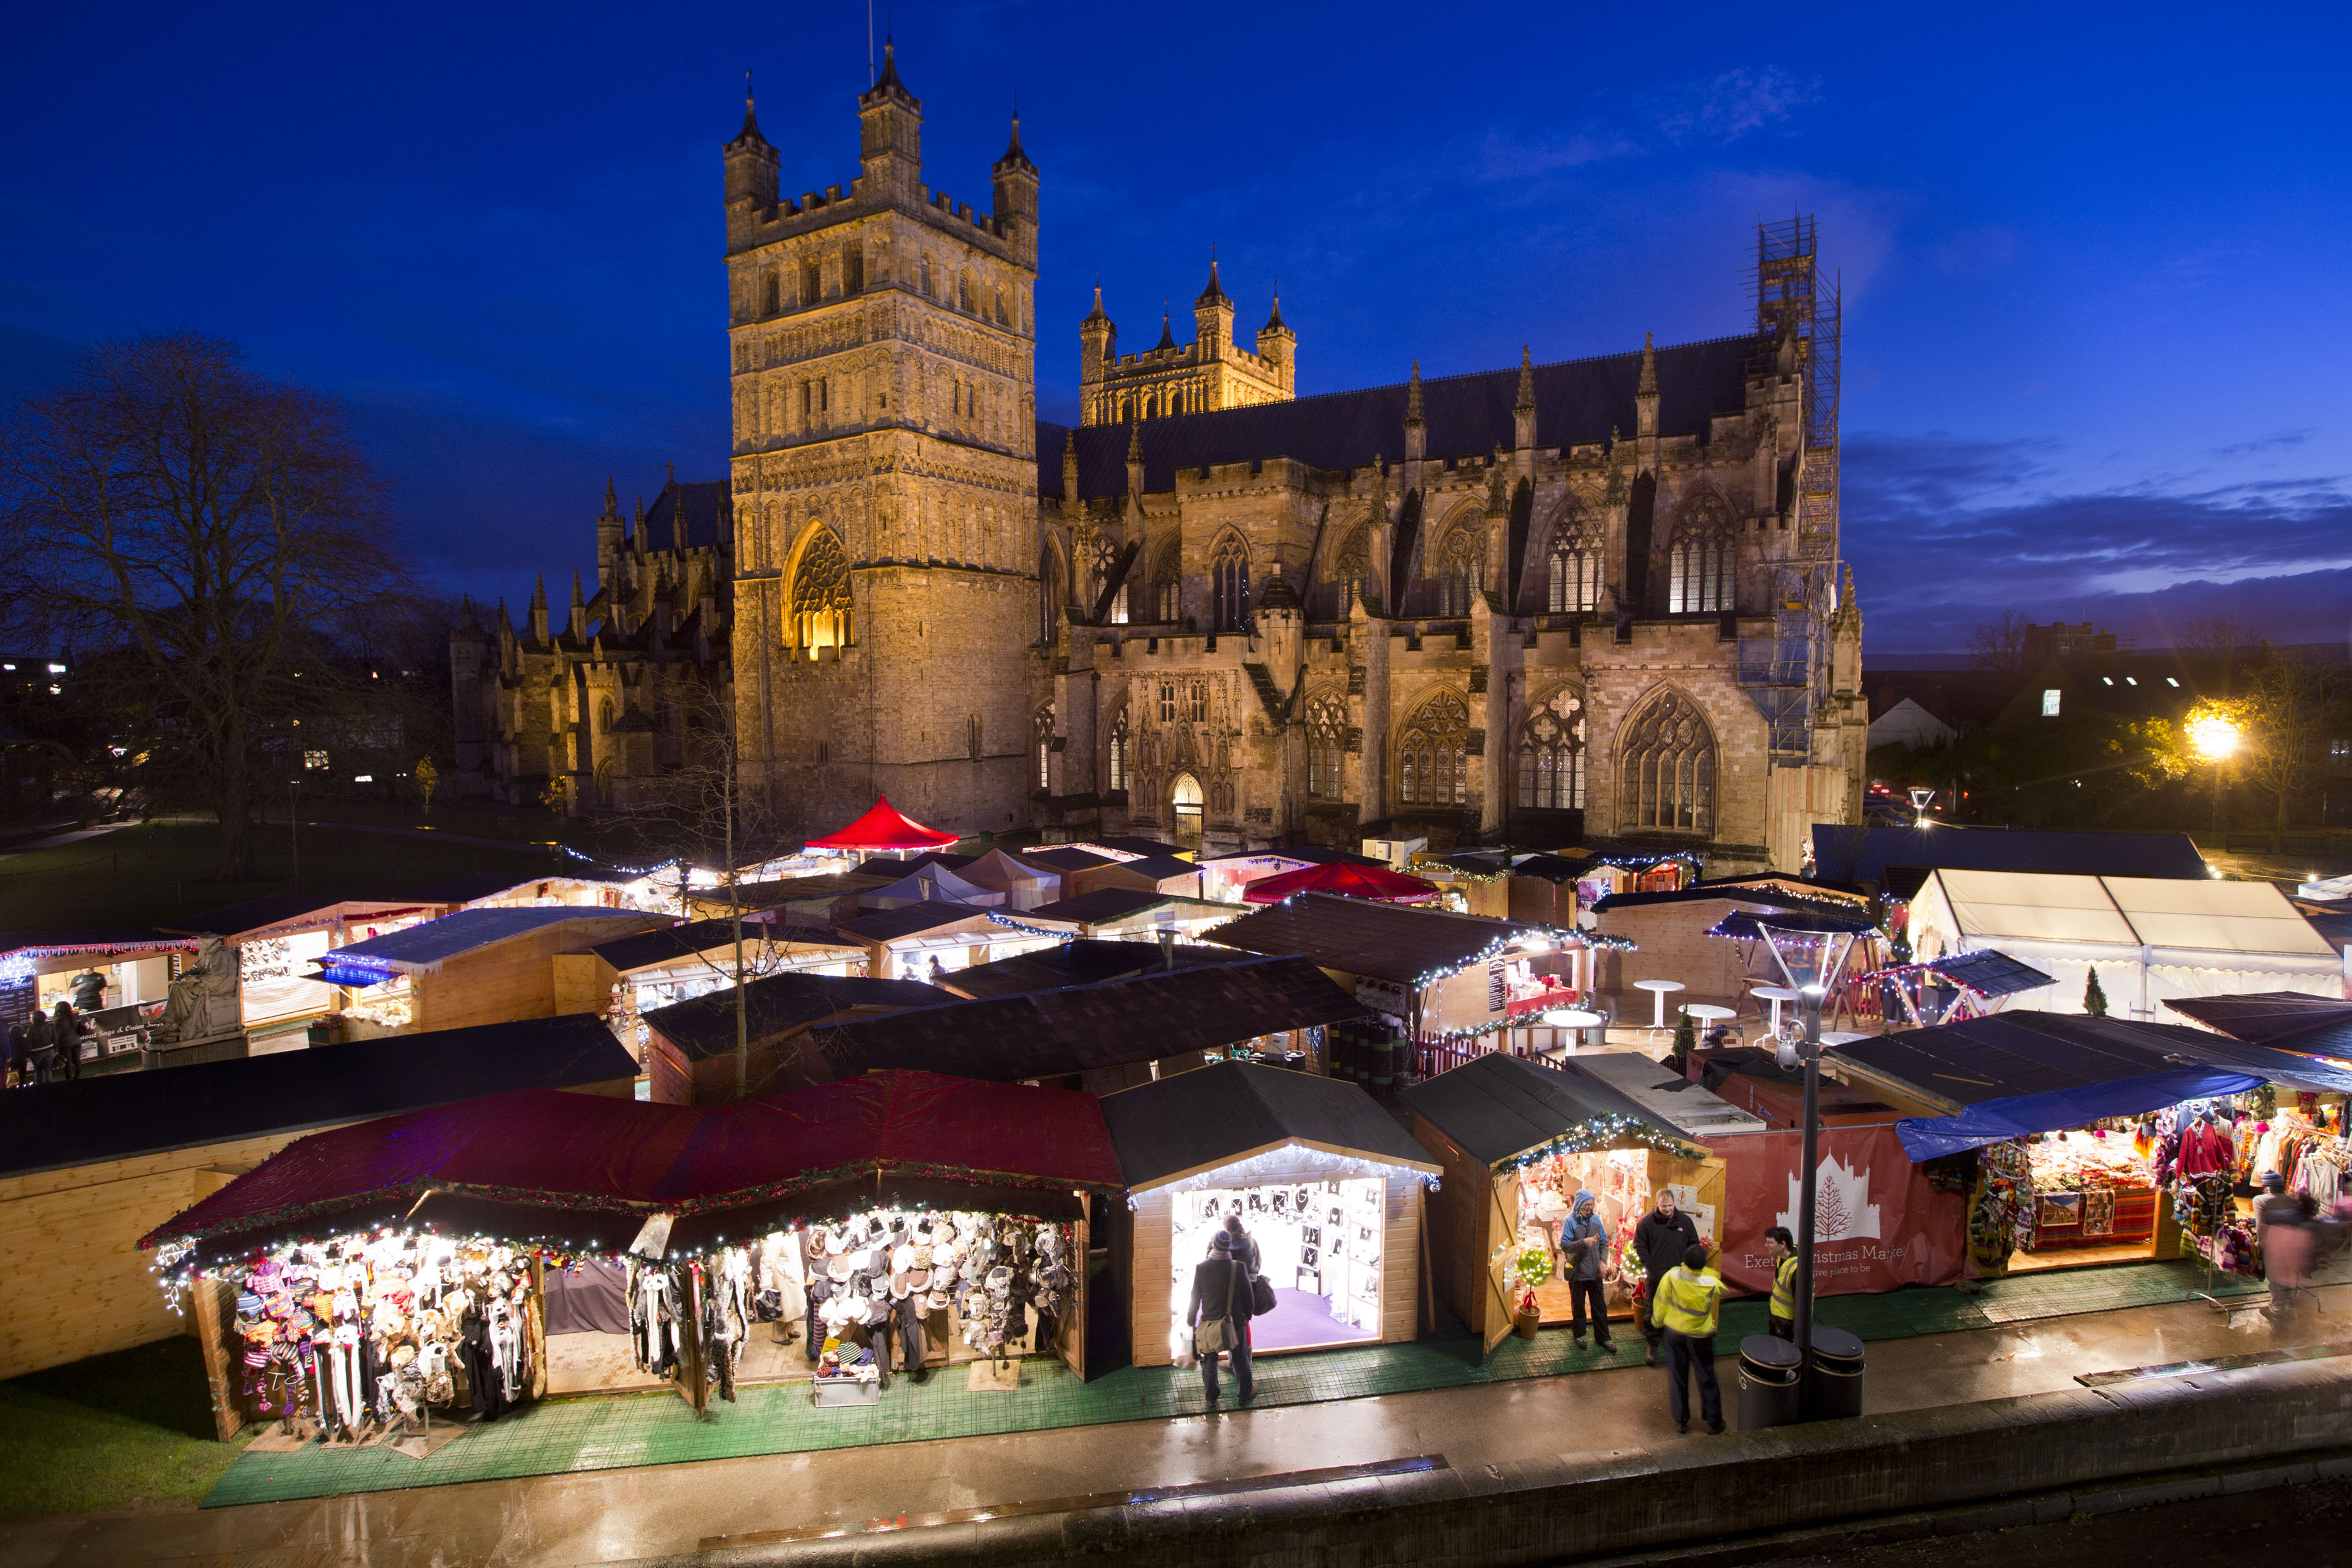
x,y
1221,1290
1661,1239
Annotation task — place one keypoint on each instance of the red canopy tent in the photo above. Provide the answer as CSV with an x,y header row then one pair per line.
x,y
1348,880
884,827
586,1170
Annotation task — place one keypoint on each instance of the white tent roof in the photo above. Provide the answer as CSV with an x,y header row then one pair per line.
x,y
1002,871
933,883
2180,916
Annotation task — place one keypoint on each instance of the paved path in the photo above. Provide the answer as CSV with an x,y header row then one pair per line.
x,y
614,1514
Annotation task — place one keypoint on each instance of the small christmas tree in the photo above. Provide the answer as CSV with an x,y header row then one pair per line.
x,y
2094,1001
1686,1042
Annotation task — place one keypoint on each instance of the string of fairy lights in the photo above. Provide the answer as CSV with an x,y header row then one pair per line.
x,y
1607,1130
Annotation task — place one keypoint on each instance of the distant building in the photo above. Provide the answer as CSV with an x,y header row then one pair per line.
x,y
1908,724
2059,640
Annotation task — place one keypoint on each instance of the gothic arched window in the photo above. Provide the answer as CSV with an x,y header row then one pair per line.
x,y
1351,576
1575,574
963,292
1105,559
1229,584
1045,747
821,595
776,295
1458,573
1118,750
923,271
811,281
1167,590
1327,738
1049,595
1665,766
1551,754
1434,754
1699,560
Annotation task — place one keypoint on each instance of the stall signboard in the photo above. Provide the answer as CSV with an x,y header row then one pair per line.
x,y
1878,1223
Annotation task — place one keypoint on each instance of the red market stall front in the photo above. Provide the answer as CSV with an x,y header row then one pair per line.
x,y
418,1255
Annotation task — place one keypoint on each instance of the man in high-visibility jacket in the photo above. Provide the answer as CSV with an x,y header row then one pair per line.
x,y
1690,1303
1782,1313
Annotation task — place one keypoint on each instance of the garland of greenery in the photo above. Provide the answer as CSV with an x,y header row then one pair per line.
x,y
1610,1130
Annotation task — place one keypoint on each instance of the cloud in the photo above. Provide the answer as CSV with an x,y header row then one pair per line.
x,y
2279,442
1946,533
1734,103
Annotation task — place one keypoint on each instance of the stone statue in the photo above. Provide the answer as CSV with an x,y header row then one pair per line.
x,y
203,1001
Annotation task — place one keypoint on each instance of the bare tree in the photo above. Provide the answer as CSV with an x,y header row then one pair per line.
x,y
210,523
2292,707
2219,637
699,814
1999,645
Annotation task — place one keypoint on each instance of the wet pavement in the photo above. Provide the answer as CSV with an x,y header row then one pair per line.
x,y
614,1514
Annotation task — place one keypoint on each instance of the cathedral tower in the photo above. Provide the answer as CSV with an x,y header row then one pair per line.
x,y
883,353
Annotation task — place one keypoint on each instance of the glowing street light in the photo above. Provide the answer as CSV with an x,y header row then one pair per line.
x,y
2212,734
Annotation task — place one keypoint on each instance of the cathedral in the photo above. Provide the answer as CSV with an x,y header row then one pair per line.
x,y
1591,601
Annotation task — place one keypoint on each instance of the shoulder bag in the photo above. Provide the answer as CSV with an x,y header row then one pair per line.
x,y
1220,1333
1261,1294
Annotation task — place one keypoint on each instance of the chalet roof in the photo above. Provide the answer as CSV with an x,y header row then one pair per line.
x,y
1116,904
704,1027
122,1114
1388,941
1578,401
1080,1027
281,908
1498,1105
1065,860
434,942
1199,1120
672,943
888,925
1088,961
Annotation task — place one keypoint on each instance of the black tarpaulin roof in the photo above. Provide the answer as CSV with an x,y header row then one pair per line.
x,y
704,1027
2012,1055
127,1113
2290,1020
1499,1106
1357,936
1080,1028
1989,973
1198,1120
1088,961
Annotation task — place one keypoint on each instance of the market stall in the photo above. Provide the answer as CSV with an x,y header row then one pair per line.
x,y
135,970
1519,1141
2150,939
928,941
1019,886
1451,986
364,1275
1128,913
476,967
2086,1140
280,940
1323,1180
633,975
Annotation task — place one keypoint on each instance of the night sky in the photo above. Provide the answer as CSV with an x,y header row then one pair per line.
x,y
2094,261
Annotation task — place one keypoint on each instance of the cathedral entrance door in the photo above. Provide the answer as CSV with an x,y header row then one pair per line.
x,y
1186,799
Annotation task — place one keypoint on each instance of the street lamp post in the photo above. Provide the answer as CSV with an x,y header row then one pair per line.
x,y
2213,735
1811,953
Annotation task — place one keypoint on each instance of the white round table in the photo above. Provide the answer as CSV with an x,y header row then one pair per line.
x,y
1572,1018
1843,1038
1657,990
1776,995
1708,1013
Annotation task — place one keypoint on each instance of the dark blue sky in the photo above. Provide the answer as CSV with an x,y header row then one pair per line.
x,y
2095,262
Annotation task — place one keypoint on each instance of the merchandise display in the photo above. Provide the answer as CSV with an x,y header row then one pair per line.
x,y
359,1334
2090,1189
1319,1243
898,1287
1620,1183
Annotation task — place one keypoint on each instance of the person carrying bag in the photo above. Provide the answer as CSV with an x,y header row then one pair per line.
x,y
1219,1317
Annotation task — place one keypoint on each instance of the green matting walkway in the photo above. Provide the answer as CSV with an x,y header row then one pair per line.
x,y
615,1432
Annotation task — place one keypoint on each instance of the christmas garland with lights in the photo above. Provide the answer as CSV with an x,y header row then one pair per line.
x,y
1608,1131
1028,929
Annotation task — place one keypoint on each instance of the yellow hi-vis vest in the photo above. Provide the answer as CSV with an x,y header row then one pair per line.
x,y
1784,1287
1690,1303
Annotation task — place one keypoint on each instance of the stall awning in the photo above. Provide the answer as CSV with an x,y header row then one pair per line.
x,y
1499,1107
1201,1121
1343,879
572,1166
2016,1073
1989,973
429,944
884,827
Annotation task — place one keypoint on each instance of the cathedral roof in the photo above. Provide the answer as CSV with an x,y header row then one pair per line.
x,y
1014,156
703,501
1577,402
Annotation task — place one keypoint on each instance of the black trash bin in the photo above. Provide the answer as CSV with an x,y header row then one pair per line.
x,y
1770,1390
1833,1383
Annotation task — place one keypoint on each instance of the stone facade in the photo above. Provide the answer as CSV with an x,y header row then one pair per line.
x,y
1209,372
1590,601
581,714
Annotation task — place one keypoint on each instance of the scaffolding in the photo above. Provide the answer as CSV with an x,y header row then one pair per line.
x,y
1786,677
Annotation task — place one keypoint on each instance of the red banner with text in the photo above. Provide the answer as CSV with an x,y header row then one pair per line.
x,y
1877,1224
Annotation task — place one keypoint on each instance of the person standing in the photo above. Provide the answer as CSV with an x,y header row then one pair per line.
x,y
66,1029
1690,1303
39,1047
1783,1312
1660,1241
1221,1294
1244,1248
1584,1250
89,991
2283,1231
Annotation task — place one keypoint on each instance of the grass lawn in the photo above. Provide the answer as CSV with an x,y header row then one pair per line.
x,y
160,872
128,1430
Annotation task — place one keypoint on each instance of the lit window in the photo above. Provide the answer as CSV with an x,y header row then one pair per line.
x,y
1046,747
1699,562
1432,755
1118,750
57,669
313,761
2170,682
1551,754
1575,571
2129,682
1327,730
2050,702
1665,767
